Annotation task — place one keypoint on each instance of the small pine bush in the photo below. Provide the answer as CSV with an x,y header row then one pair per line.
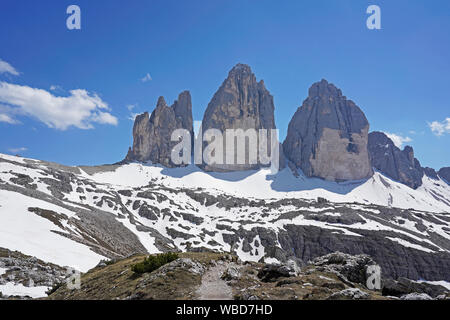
x,y
109,262
153,262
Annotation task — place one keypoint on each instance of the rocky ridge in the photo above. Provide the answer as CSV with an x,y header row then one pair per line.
x,y
444,173
395,163
328,136
152,134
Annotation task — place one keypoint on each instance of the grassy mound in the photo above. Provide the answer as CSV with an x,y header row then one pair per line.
x,y
154,262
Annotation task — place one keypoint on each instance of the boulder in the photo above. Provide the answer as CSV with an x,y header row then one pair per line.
x,y
403,286
231,273
349,294
416,296
356,269
273,271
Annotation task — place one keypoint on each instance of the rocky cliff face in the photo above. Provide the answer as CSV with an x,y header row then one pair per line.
x,y
444,173
327,137
431,173
393,162
240,103
152,134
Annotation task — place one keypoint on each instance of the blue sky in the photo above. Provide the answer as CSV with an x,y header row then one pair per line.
x,y
398,75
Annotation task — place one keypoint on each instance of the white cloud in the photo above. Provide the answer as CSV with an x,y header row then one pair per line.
x,y
80,109
56,88
440,128
5,67
398,139
133,116
147,78
6,118
17,150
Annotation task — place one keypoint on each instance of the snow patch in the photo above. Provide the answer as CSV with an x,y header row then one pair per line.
x,y
11,289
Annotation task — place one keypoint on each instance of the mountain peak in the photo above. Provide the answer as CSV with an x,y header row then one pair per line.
x,y
152,136
241,68
161,102
240,103
324,88
327,136
395,163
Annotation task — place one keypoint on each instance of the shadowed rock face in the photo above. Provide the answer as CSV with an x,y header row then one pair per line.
x,y
327,136
240,103
152,134
444,173
393,162
183,111
431,173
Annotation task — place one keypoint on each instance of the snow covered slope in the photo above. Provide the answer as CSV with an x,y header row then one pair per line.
x,y
433,195
76,216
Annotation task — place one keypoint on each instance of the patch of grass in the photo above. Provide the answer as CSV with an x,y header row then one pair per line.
x,y
153,262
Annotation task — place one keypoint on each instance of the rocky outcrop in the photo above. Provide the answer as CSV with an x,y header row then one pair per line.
x,y
273,271
353,268
240,103
308,242
349,294
403,286
17,269
183,110
327,136
431,173
444,173
152,134
397,164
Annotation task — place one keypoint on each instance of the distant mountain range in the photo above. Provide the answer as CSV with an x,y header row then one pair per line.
x,y
328,136
339,188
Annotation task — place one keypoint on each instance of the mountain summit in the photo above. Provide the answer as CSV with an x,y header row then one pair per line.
x,y
327,136
152,135
240,103
395,163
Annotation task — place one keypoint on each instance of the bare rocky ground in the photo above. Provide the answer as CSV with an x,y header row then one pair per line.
x,y
213,287
20,269
223,276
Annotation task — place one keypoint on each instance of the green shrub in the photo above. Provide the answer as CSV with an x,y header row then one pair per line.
x,y
154,262
109,262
